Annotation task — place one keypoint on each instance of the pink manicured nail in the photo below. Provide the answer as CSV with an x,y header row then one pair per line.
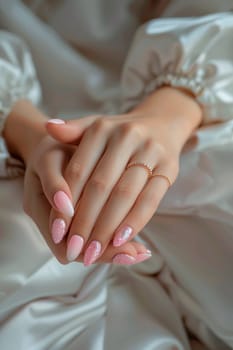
x,y
142,257
124,259
58,230
92,253
74,247
56,121
122,236
63,203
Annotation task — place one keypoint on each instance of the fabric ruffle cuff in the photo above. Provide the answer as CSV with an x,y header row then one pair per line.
x,y
190,53
18,81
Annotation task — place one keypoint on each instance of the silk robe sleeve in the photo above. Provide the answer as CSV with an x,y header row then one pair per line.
x,y
18,80
193,53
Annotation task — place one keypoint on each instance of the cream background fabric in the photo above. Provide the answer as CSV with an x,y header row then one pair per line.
x,y
79,48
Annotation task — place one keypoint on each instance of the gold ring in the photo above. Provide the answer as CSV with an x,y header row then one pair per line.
x,y
164,177
142,165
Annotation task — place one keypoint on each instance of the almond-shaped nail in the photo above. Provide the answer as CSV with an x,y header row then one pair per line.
x,y
74,247
142,257
56,121
92,252
58,230
123,259
63,203
122,236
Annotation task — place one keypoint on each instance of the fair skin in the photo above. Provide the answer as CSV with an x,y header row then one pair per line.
x,y
28,139
88,164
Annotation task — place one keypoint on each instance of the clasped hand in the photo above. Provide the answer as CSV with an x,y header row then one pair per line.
x,y
94,204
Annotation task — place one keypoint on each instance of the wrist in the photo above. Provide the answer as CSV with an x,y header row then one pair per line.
x,y
24,129
174,111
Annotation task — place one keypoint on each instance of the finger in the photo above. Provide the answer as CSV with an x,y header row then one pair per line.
x,y
88,152
56,189
145,206
52,180
86,156
99,186
122,198
77,172
38,208
129,254
69,131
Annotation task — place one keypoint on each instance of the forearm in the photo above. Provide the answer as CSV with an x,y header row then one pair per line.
x,y
174,111
24,128
170,108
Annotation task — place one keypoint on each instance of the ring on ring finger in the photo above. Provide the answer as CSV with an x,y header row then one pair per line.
x,y
145,166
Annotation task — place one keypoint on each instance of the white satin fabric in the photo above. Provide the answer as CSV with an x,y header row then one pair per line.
x,y
79,48
192,53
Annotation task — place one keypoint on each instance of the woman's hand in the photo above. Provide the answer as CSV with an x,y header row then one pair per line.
x,y
44,159
114,201
42,179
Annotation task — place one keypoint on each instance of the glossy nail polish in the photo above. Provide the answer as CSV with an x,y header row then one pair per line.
x,y
92,252
122,236
58,230
63,203
143,256
123,259
56,121
74,247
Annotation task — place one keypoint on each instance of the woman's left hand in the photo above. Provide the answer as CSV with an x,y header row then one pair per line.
x,y
118,175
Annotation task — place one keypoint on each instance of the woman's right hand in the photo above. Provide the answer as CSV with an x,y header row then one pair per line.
x,y
42,192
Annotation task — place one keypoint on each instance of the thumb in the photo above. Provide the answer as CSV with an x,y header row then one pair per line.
x,y
69,131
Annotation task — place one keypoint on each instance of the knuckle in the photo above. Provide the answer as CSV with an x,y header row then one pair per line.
x,y
159,150
74,171
98,185
150,145
130,129
124,191
100,125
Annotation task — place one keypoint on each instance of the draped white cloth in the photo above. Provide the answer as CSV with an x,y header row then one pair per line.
x,y
79,49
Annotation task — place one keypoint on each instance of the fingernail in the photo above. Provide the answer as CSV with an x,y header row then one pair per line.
x,y
142,257
56,121
74,247
123,259
92,253
63,203
58,230
122,236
